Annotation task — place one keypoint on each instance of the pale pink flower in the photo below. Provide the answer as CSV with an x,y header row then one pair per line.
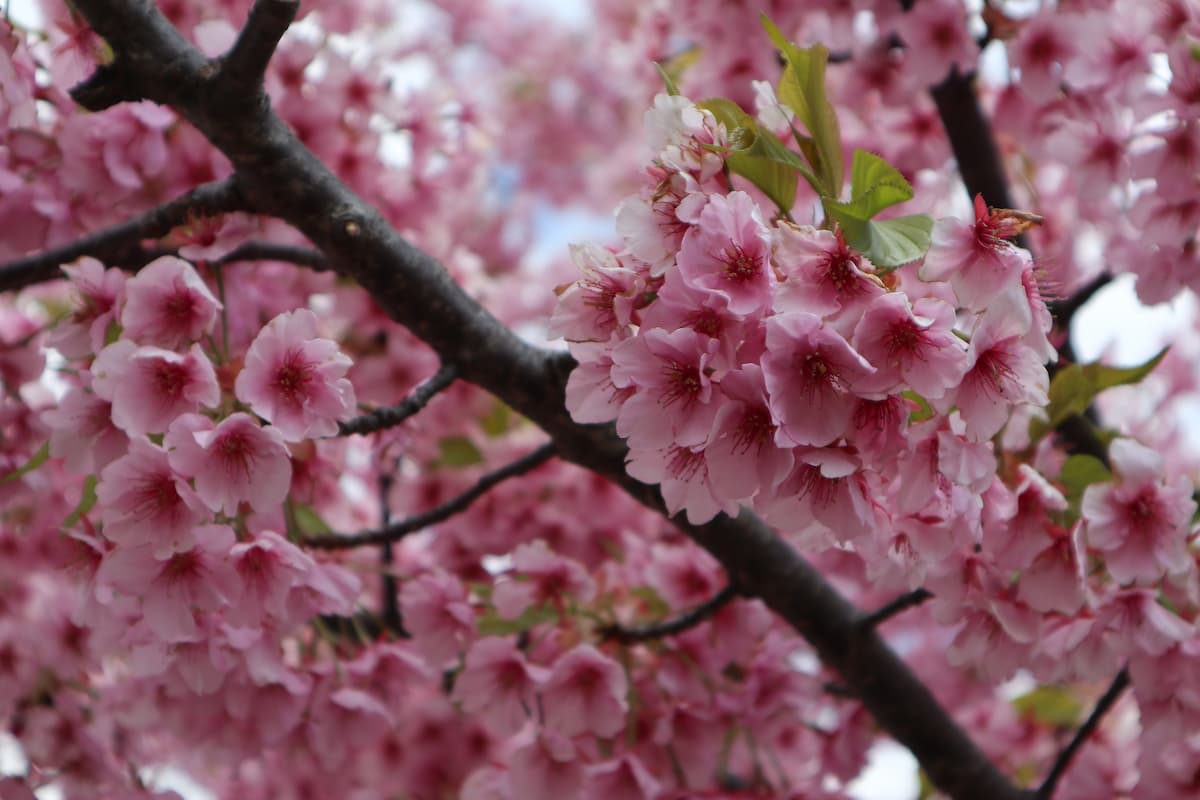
x,y
438,615
728,253
168,305
173,589
591,395
936,37
811,374
1139,522
976,258
269,567
1134,621
653,227
585,693
1042,49
546,769
545,577
236,462
343,722
149,387
498,684
624,778
682,475
294,380
823,275
913,348
601,302
82,432
742,455
99,293
142,500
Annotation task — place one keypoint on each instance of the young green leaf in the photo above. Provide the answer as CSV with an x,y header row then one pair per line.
x,y
888,243
33,463
668,82
875,184
1075,386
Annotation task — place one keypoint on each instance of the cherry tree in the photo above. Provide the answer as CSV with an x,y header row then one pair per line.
x,y
318,478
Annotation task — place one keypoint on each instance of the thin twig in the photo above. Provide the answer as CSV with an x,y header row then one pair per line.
x,y
122,242
902,603
1106,701
246,62
271,251
671,627
393,415
456,505
389,601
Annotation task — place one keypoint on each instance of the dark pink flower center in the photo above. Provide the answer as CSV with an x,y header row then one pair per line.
x,y
740,266
683,383
182,566
754,430
170,379
155,495
293,377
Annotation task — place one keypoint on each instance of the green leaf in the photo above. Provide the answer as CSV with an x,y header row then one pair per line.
x,y
33,463
309,522
1075,386
802,88
889,243
727,112
758,155
492,624
86,501
498,420
922,412
1081,471
1050,705
457,451
875,184
668,81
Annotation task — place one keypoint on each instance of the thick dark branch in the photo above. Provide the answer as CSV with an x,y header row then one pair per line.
x,y
270,251
108,86
671,627
456,505
902,603
284,179
971,139
1109,698
122,242
393,415
246,62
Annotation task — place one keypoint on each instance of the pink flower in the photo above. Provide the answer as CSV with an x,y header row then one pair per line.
x,y
99,294
624,778
599,304
546,769
237,461
936,38
498,684
591,394
201,578
142,500
269,566
168,305
149,387
83,434
438,615
684,480
546,578
811,374
294,380
728,253
674,399
585,693
911,348
823,275
1139,522
742,455
976,258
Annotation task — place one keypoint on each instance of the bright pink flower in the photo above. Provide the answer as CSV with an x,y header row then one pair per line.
x,y
653,227
742,455
682,475
975,257
545,577
823,275
585,693
546,769
293,379
167,305
811,374
149,387
1002,372
826,486
172,589
911,348
591,394
599,304
99,294
142,500
498,684
1139,522
438,615
236,462
674,403
728,253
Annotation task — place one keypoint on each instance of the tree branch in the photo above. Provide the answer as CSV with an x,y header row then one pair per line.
x,y
284,179
393,415
671,627
123,242
246,62
1059,768
271,251
455,505
902,603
